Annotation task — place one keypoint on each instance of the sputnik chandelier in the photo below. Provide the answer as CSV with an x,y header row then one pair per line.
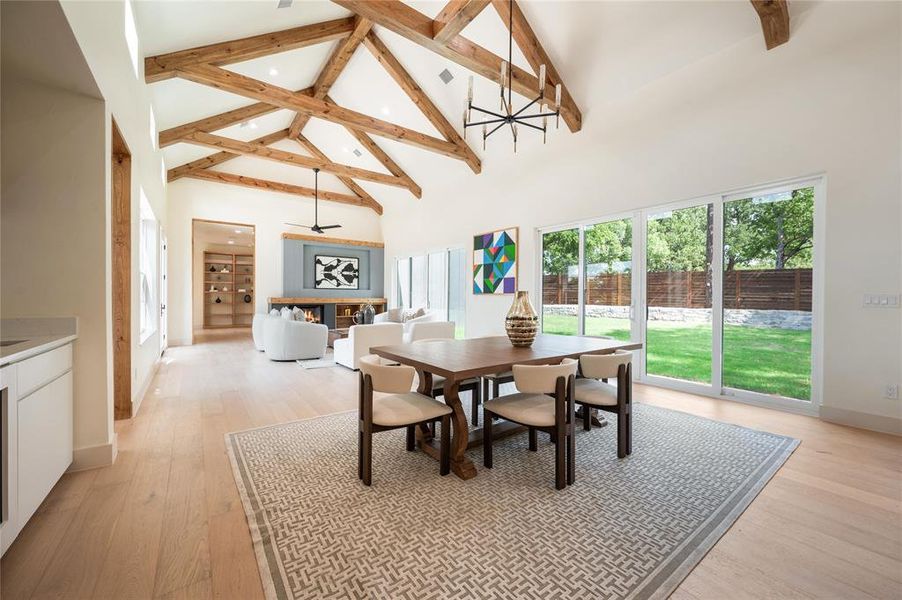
x,y
509,117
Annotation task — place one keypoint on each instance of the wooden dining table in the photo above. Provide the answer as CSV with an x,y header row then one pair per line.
x,y
459,360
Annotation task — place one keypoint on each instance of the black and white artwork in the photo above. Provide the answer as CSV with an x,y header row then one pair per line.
x,y
336,273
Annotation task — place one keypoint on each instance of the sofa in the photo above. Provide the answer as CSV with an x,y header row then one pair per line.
x,y
287,339
363,337
406,319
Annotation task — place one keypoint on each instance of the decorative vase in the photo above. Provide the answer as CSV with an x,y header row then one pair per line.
x,y
365,315
522,322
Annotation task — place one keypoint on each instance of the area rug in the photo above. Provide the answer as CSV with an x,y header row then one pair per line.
x,y
630,528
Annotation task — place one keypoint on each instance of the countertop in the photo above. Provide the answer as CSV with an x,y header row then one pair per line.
x,y
32,346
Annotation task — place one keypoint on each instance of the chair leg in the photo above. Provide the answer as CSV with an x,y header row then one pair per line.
x,y
411,437
486,438
367,457
496,388
359,453
445,450
559,463
571,453
587,418
485,390
621,433
533,440
629,432
477,398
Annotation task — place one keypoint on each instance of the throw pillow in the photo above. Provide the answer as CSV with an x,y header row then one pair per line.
x,y
421,312
274,312
297,314
394,315
285,313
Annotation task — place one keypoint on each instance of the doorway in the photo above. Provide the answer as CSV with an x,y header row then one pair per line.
x,y
223,257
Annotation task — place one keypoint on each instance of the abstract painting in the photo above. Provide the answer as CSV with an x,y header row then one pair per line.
x,y
336,273
495,262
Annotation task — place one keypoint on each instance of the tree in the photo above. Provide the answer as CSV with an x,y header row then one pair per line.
x,y
770,233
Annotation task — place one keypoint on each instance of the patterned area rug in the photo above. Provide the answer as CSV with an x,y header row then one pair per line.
x,y
630,528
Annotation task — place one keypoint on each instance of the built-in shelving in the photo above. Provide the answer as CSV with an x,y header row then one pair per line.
x,y
228,278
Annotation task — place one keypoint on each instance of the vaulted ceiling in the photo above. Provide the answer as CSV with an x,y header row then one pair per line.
x,y
246,93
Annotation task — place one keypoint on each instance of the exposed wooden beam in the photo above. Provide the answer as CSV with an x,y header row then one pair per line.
x,y
275,186
164,66
217,142
456,15
222,120
373,148
347,181
774,15
220,157
417,27
529,44
258,90
419,97
332,69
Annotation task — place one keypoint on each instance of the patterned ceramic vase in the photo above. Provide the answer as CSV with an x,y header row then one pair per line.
x,y
522,322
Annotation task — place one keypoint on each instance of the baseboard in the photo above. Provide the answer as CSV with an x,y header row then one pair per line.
x,y
93,457
862,420
180,342
137,399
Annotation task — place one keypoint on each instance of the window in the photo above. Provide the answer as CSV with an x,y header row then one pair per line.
x,y
436,281
721,291
131,35
147,262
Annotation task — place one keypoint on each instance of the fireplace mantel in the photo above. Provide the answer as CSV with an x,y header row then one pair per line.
x,y
328,301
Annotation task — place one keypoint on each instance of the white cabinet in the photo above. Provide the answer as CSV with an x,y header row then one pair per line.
x,y
36,436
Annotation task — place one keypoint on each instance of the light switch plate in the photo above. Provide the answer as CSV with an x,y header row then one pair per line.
x,y
881,301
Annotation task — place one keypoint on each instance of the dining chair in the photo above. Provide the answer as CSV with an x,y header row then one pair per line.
x,y
402,408
491,388
544,402
593,391
471,385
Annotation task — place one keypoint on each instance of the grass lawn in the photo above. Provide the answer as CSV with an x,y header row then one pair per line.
x,y
771,361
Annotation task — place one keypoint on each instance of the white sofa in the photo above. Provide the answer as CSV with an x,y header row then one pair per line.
x,y
285,339
363,337
430,330
386,317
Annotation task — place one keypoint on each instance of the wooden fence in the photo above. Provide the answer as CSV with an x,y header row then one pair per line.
x,y
786,289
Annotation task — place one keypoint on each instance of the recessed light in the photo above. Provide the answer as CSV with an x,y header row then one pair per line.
x,y
252,125
345,149
237,231
248,124
446,76
273,71
231,241
386,110
357,152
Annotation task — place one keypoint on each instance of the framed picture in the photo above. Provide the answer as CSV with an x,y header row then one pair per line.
x,y
336,272
495,262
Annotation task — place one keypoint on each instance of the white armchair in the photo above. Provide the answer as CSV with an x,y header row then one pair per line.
x,y
257,330
386,317
363,337
284,339
429,330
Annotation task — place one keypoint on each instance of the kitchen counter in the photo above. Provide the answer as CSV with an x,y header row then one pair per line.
x,y
37,335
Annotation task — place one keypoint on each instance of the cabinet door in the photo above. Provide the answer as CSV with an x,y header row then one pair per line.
x,y
45,442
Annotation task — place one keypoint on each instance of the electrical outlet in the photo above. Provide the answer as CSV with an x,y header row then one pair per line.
x,y
892,391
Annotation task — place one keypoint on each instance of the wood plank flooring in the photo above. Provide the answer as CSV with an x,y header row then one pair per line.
x,y
166,521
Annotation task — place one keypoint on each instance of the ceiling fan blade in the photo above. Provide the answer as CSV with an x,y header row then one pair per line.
x,y
329,226
299,225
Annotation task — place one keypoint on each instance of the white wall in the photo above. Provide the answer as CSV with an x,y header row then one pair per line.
x,y
828,101
267,212
54,243
99,28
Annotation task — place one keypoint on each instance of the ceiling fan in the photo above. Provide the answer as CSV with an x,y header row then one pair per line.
x,y
316,226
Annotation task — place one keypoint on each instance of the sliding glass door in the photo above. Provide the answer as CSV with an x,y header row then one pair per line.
x,y
768,243
678,293
608,267
725,286
560,282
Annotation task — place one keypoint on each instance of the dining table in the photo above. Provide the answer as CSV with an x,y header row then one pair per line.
x,y
457,360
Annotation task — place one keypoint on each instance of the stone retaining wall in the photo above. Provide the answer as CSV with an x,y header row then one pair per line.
x,y
778,319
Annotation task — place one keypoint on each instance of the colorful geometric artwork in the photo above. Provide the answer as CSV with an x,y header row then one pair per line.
x,y
495,262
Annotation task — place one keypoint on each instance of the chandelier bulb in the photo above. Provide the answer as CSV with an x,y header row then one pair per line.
x,y
542,80
470,89
557,97
503,75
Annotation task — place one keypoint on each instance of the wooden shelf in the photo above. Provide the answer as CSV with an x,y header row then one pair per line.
x,y
230,312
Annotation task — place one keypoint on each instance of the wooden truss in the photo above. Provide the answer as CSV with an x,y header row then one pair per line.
x,y
204,65
441,35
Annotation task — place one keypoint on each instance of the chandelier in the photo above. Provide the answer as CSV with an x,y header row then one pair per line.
x,y
508,116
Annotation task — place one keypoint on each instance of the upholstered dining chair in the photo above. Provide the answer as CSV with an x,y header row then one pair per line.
x,y
594,391
471,385
544,402
402,408
491,388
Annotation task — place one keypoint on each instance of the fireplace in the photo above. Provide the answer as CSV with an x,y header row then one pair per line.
x,y
313,313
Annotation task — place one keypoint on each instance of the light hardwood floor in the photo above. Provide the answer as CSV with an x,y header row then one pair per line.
x,y
166,521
